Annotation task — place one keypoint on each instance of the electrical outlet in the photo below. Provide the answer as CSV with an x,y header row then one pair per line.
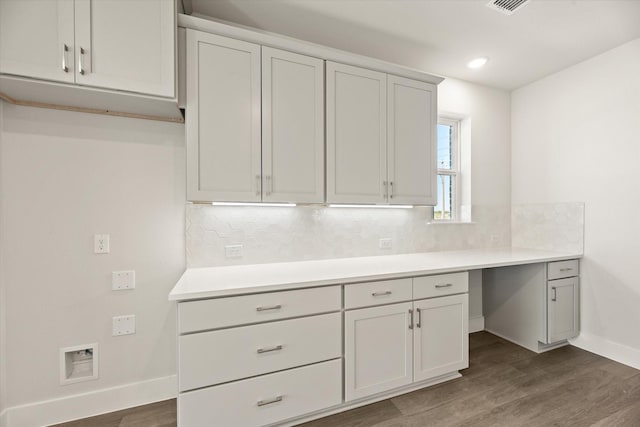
x,y
386,243
101,244
233,251
124,325
121,280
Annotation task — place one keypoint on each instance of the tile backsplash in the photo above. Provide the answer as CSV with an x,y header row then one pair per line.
x,y
550,226
281,234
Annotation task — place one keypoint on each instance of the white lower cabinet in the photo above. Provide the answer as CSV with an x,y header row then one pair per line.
x,y
263,400
441,337
390,346
378,349
563,315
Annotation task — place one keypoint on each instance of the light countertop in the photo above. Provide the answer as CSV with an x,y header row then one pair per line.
x,y
197,283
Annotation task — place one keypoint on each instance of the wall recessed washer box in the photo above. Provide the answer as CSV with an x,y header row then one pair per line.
x,y
78,363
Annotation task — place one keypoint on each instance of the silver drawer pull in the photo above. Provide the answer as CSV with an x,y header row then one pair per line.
x,y
566,269
269,401
448,285
273,307
378,294
419,324
410,319
267,350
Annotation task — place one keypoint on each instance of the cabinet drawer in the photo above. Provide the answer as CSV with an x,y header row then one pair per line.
x,y
206,314
377,293
441,284
562,269
216,357
263,400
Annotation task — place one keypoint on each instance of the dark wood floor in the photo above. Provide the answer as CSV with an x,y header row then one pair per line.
x,y
505,385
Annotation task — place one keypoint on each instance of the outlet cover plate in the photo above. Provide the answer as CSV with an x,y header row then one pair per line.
x,y
101,244
123,280
124,325
385,243
233,251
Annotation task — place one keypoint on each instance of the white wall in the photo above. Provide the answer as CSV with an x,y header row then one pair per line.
x,y
3,353
575,137
66,176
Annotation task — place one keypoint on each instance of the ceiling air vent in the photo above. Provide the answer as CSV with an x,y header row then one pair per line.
x,y
506,6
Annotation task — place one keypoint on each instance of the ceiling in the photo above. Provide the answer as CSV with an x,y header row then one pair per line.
x,y
441,36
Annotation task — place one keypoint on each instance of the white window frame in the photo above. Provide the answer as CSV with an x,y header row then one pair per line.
x,y
454,172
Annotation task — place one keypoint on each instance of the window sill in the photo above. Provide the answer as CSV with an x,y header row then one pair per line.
x,y
445,222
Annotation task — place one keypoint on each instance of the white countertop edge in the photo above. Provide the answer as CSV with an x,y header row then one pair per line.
x,y
451,261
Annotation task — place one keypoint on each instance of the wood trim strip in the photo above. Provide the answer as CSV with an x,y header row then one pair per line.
x,y
88,110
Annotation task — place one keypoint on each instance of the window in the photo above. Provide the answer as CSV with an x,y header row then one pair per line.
x,y
448,170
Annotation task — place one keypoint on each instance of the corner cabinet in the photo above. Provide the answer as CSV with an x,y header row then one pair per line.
x,y
381,137
255,122
111,44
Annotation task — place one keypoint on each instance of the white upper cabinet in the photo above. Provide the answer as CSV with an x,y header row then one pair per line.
x,y
255,123
411,125
356,135
36,39
126,45
292,127
381,138
112,44
223,119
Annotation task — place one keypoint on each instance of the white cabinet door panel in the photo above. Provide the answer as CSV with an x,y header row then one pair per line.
x,y
33,35
356,135
128,45
223,119
378,350
411,141
562,306
441,336
292,127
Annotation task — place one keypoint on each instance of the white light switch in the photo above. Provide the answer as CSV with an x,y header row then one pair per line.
x,y
233,251
124,325
121,280
101,244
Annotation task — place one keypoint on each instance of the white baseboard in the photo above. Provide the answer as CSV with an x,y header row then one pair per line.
x,y
611,350
89,404
476,324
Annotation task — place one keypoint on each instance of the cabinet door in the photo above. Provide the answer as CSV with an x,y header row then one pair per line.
x,y
378,349
292,127
33,36
356,135
223,119
411,141
441,342
128,45
562,309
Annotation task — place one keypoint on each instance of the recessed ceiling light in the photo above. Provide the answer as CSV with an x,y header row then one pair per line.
x,y
478,62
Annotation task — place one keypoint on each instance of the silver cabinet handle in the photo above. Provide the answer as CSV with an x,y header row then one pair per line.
x,y
269,185
555,293
269,349
378,294
80,67
269,401
448,285
410,319
419,324
65,49
566,269
258,185
273,307
385,184
391,189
